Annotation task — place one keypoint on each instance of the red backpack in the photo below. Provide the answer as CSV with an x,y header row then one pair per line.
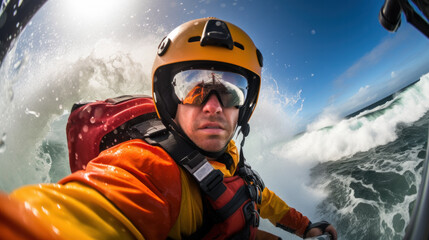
x,y
96,126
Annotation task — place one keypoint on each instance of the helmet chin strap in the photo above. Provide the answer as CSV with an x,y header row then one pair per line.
x,y
245,129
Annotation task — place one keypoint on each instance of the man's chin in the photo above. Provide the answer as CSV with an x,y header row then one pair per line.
x,y
212,146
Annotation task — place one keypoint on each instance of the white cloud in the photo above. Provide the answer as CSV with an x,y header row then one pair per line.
x,y
369,59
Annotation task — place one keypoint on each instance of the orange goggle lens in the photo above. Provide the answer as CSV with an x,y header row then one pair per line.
x,y
194,86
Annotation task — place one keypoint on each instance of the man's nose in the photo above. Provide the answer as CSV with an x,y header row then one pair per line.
x,y
212,105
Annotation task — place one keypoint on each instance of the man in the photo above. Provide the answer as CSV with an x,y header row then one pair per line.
x,y
206,80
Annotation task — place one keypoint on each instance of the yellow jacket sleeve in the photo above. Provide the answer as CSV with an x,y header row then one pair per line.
x,y
71,211
129,191
281,215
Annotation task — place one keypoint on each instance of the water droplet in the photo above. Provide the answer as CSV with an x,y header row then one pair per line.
x,y
76,156
15,12
29,112
60,106
17,65
11,94
80,136
105,127
115,131
56,99
92,120
85,128
3,143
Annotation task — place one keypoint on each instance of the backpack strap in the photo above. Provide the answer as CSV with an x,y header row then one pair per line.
x,y
154,132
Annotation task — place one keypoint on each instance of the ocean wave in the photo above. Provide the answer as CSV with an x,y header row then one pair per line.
x,y
365,131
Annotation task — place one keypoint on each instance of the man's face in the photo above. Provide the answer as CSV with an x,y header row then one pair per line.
x,y
210,126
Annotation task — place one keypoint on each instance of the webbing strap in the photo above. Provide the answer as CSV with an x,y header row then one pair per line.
x,y
154,132
231,207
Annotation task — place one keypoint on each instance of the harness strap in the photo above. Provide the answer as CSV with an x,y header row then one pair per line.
x,y
155,133
239,198
210,180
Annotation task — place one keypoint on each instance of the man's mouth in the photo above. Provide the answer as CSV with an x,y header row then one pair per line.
x,y
211,126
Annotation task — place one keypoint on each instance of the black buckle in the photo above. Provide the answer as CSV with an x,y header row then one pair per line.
x,y
151,130
209,179
156,131
251,176
213,185
255,193
252,215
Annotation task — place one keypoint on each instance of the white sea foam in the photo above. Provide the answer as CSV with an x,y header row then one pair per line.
x,y
362,132
26,118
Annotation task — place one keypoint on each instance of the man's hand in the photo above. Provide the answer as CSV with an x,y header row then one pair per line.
x,y
314,232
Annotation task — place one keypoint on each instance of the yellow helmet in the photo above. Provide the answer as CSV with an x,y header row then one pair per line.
x,y
207,43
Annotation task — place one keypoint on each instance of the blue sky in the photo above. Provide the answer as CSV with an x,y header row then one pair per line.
x,y
335,52
327,57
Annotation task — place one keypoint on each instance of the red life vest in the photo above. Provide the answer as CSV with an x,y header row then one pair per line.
x,y
231,210
238,213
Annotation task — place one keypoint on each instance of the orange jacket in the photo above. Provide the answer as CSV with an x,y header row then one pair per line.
x,y
131,191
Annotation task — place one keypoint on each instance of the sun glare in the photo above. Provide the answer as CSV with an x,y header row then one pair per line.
x,y
93,10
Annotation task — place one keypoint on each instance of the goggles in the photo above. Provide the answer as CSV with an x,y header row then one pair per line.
x,y
194,86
